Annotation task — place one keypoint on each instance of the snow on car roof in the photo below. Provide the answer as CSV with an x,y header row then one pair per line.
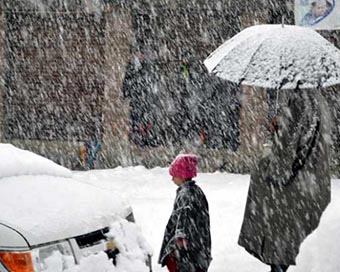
x,y
17,162
45,203
45,208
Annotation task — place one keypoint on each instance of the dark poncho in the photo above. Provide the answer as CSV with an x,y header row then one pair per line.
x,y
189,220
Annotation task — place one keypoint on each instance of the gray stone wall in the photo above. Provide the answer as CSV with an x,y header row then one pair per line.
x,y
2,70
115,146
119,38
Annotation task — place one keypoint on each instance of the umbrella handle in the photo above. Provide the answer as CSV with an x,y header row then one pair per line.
x,y
276,101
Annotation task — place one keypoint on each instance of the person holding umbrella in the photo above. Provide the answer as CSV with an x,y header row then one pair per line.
x,y
290,187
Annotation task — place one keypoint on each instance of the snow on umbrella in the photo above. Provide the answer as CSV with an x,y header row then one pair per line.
x,y
277,57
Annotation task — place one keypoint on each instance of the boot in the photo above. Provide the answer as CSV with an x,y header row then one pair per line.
x,y
278,268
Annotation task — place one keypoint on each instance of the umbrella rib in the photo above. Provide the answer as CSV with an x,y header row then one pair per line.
x,y
250,60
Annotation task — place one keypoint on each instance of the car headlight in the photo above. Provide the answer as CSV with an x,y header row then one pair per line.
x,y
17,261
55,257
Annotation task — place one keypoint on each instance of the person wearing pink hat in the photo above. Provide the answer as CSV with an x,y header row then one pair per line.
x,y
186,244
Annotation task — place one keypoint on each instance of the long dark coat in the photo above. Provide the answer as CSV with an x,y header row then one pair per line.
x,y
290,188
189,220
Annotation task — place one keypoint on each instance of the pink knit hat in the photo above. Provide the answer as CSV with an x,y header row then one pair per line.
x,y
184,166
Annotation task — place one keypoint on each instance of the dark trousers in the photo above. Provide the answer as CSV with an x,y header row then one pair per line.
x,y
278,268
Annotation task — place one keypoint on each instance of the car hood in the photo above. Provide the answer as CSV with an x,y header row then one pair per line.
x,y
46,209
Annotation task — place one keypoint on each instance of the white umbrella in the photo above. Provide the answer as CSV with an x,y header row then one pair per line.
x,y
277,57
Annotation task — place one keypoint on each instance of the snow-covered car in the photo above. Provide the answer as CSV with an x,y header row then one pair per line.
x,y
52,222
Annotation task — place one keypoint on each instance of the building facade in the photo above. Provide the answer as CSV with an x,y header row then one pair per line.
x,y
122,82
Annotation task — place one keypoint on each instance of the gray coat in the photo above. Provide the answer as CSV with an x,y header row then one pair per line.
x,y
290,187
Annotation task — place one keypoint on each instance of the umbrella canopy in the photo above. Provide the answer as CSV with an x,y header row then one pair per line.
x,y
277,57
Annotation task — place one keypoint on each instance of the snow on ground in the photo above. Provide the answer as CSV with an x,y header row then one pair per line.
x,y
151,194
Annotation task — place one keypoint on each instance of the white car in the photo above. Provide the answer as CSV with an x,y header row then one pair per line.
x,y
45,213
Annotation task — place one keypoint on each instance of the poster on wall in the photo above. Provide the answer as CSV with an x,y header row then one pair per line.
x,y
318,14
